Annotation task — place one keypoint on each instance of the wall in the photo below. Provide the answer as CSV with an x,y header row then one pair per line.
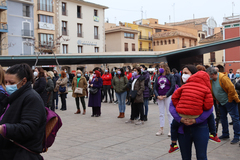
x,y
129,41
114,42
218,57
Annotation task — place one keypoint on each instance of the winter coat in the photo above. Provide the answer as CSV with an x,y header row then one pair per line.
x,y
195,96
3,95
172,82
146,92
119,84
128,74
25,121
95,99
228,87
49,89
87,78
62,82
40,87
107,78
139,87
82,84
177,79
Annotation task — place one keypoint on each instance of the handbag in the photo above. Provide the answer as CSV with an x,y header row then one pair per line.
x,y
93,90
78,90
133,94
62,89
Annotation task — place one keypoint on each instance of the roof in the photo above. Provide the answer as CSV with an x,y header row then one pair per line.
x,y
196,21
89,4
216,37
173,34
120,29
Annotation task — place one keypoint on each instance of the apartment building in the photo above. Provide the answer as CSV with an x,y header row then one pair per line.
x,y
3,27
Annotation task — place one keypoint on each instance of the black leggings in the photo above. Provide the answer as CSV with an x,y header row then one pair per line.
x,y
63,99
137,108
107,88
82,101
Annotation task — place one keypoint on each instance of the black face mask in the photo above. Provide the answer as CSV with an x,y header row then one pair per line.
x,y
230,71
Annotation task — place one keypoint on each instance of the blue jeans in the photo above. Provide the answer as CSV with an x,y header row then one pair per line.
x,y
121,97
199,135
146,106
232,109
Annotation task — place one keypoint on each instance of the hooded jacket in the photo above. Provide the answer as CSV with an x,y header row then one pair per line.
x,y
194,96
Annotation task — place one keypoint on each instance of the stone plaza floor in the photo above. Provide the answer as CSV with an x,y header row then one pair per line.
x,y
83,137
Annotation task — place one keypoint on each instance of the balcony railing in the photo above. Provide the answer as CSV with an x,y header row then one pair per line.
x,y
212,60
145,49
27,33
45,7
46,45
126,49
3,27
64,12
145,38
79,15
65,32
97,36
3,5
80,34
26,13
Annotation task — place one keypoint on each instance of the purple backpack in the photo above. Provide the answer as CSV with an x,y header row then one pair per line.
x,y
53,124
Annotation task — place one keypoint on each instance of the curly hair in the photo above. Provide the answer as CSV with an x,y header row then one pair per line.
x,y
165,66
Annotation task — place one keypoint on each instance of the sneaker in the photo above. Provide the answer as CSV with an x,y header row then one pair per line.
x,y
173,149
214,139
169,134
139,123
129,121
115,102
234,141
160,132
223,137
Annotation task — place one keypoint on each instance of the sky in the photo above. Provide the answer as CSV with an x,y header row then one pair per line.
x,y
168,10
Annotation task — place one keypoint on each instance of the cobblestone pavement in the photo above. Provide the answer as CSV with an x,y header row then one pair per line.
x,y
109,138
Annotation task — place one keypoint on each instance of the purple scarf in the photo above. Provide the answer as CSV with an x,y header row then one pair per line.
x,y
136,77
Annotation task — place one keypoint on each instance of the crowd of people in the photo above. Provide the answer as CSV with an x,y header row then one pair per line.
x,y
188,97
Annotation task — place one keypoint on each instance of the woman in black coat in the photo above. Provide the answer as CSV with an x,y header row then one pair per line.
x,y
24,120
40,84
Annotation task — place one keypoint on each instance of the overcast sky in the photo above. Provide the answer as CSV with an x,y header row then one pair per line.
x,y
130,10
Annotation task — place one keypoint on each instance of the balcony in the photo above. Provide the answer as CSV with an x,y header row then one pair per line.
x,y
79,15
97,36
3,5
64,12
65,32
145,38
44,25
46,45
45,7
80,34
27,33
212,60
3,27
145,49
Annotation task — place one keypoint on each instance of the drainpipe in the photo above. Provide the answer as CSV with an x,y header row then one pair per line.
x,y
224,60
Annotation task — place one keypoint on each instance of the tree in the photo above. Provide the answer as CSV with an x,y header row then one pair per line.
x,y
5,46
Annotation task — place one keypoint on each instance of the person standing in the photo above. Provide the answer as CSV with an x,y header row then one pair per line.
x,y
40,84
55,92
227,98
164,87
128,73
231,75
87,78
79,82
107,82
49,89
119,84
137,84
62,88
95,98
237,87
177,77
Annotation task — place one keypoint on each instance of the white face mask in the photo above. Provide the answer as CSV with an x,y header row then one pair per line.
x,y
35,74
185,77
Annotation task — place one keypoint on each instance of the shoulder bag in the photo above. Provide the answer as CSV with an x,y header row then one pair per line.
x,y
93,90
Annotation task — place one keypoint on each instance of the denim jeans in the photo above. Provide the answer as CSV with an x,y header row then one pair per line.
x,y
232,109
121,97
211,125
199,135
146,106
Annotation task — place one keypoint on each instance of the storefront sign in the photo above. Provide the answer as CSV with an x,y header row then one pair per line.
x,y
48,26
79,42
96,18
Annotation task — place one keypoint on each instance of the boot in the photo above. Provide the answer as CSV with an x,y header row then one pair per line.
x,y
120,115
123,115
78,111
145,118
84,111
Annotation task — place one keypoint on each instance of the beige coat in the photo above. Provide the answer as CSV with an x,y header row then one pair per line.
x,y
82,84
63,83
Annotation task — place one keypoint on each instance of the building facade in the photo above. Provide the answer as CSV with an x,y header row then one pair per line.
x,y
3,27
20,27
231,29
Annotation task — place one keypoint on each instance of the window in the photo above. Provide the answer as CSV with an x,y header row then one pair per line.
x,y
95,12
190,43
96,32
140,45
46,40
149,46
173,41
129,35
165,42
158,30
203,36
64,9
161,42
133,47
80,49
26,11
26,30
65,48
169,41
79,30
157,43
96,49
183,43
79,14
195,43
199,35
45,5
64,28
212,56
154,43
126,46
44,18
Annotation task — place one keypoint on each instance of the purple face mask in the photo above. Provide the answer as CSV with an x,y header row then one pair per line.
x,y
161,70
118,72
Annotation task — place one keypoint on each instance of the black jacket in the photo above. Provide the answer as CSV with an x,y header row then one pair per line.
x,y
177,79
40,87
25,122
170,91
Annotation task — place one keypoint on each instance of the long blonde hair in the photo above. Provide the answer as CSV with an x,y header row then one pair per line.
x,y
2,77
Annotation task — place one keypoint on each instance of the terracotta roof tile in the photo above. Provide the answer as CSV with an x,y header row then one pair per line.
x,y
196,21
216,37
173,34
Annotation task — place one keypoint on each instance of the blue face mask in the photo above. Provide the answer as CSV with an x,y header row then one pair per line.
x,y
85,74
79,75
211,79
12,88
106,71
237,75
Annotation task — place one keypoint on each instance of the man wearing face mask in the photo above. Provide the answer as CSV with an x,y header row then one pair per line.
x,y
231,75
227,98
24,119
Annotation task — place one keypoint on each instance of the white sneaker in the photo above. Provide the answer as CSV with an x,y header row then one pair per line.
x,y
169,134
139,123
160,132
129,121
